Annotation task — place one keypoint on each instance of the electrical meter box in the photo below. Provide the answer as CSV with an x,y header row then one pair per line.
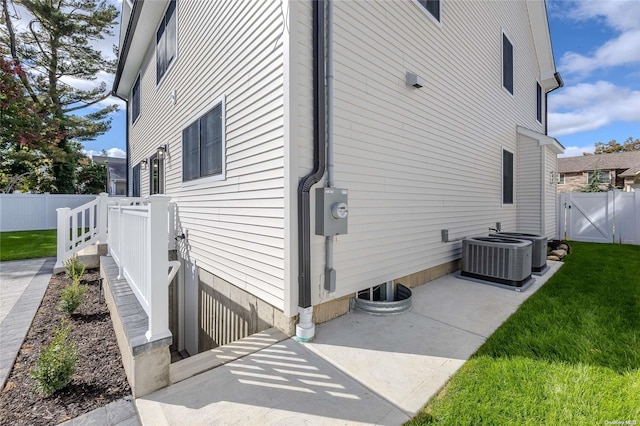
x,y
332,211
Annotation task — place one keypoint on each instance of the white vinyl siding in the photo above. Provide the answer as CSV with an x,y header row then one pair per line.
x,y
234,226
551,194
416,161
529,203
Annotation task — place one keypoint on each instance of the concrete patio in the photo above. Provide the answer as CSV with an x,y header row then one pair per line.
x,y
360,369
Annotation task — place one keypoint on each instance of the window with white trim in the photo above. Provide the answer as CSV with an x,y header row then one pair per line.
x,y
203,145
156,175
432,6
507,177
135,181
166,41
539,103
561,179
135,100
507,64
604,176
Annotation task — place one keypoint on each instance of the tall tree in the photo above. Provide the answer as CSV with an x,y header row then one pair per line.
x,y
56,50
28,141
613,146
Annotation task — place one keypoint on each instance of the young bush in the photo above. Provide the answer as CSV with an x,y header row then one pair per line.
x,y
57,362
71,296
75,270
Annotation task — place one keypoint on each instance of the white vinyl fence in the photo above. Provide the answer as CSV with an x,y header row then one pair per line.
x,y
600,217
29,212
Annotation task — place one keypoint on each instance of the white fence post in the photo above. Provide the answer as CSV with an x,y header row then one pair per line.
x,y
636,204
158,267
62,235
102,212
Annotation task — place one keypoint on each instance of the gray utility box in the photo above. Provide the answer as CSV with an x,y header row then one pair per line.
x,y
539,249
332,211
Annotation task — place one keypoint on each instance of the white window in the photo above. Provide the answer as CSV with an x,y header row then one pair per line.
x,y
561,179
166,41
203,145
135,101
507,64
432,6
507,177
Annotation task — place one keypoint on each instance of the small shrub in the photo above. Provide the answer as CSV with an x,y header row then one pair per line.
x,y
75,269
57,362
71,296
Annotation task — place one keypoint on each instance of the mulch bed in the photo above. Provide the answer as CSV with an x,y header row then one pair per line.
x,y
99,377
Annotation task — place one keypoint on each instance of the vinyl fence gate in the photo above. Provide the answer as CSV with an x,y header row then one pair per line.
x,y
600,217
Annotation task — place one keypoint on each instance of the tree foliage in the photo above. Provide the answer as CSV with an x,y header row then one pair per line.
x,y
54,55
613,146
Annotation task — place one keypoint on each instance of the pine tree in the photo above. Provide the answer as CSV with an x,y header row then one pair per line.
x,y
54,49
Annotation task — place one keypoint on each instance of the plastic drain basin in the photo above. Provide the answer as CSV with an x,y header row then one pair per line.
x,y
402,303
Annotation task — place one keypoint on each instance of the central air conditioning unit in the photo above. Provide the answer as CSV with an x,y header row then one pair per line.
x,y
499,260
538,250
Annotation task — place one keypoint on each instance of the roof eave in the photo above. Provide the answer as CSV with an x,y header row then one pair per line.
x,y
141,30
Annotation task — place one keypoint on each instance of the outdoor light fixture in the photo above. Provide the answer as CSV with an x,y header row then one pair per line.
x,y
144,163
162,151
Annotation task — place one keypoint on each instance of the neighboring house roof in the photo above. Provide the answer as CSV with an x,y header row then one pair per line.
x,y
117,167
117,171
627,161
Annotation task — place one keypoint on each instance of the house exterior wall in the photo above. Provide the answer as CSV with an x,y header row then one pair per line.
x,y
234,227
416,161
528,195
573,182
550,193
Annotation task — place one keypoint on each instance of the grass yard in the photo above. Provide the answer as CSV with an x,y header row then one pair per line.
x,y
570,355
27,244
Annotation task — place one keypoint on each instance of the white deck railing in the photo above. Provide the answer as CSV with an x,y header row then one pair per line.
x,y
81,227
139,231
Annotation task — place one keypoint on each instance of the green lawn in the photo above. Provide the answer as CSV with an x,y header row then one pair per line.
x,y
569,356
27,244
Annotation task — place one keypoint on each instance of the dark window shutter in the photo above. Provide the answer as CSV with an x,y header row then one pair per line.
x,y
538,103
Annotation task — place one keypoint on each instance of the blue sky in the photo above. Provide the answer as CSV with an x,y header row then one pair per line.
x,y
597,50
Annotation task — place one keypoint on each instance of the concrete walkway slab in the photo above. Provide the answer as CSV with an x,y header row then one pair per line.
x,y
360,368
22,287
285,384
408,358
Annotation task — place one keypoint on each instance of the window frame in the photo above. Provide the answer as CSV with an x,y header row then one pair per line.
x,y
426,11
561,177
134,116
219,101
602,173
538,102
161,187
504,180
505,37
136,174
161,76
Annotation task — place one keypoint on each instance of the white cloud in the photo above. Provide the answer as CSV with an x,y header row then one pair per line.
x,y
574,151
589,106
111,152
621,15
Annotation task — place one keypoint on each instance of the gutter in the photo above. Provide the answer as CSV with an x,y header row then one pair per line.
x,y
560,82
126,45
305,327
